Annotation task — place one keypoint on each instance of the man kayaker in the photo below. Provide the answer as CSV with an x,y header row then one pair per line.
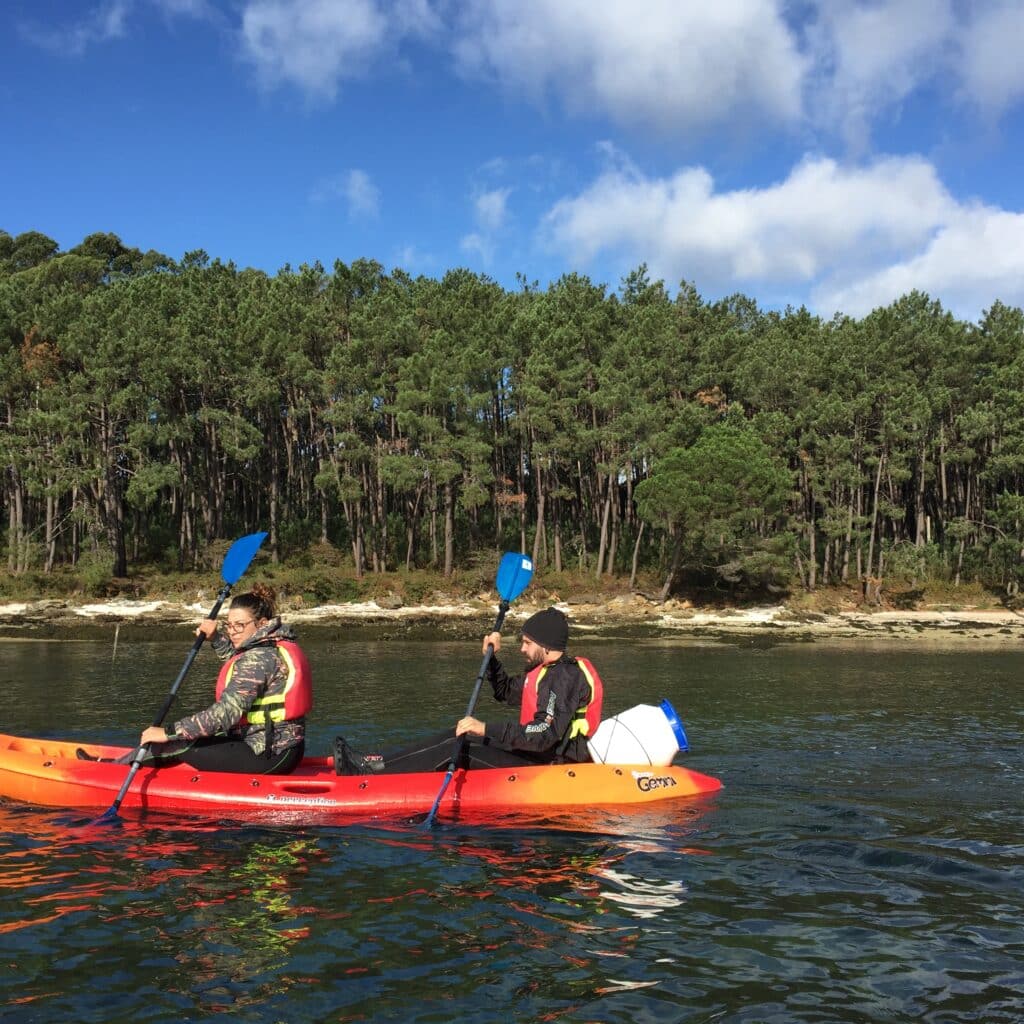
x,y
256,723
559,698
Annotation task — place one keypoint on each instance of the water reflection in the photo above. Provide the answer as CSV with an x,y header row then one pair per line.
x,y
640,896
240,921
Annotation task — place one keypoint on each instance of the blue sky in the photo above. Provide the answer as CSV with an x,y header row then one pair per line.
x,y
835,154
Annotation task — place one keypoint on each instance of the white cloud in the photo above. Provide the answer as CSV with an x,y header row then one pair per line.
x,y
362,195
317,43
850,237
103,23
825,66
492,208
490,211
833,67
312,43
355,187
671,65
477,244
187,8
975,259
991,65
870,57
413,260
796,229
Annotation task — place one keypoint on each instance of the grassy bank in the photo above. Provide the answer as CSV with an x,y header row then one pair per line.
x,y
323,576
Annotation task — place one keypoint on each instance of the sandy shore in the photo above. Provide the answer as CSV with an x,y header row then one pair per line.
x,y
632,616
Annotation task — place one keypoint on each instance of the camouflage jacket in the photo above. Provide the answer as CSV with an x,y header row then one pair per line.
x,y
258,670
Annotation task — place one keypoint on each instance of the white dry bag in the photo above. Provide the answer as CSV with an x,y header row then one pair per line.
x,y
644,734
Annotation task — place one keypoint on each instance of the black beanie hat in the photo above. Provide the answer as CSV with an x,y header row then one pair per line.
x,y
549,628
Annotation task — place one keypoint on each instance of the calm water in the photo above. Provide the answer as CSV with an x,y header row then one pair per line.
x,y
865,861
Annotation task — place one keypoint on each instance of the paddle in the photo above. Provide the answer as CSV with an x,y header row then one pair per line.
x,y
513,578
236,561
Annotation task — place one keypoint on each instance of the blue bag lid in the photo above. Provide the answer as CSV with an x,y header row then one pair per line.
x,y
677,726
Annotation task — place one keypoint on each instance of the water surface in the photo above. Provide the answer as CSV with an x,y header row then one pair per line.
x,y
865,861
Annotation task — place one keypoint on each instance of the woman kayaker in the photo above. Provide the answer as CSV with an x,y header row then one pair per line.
x,y
257,722
559,698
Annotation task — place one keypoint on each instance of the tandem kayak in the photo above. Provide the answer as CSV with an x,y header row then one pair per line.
x,y
48,772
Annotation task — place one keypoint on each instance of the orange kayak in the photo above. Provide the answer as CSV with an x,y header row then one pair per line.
x,y
48,772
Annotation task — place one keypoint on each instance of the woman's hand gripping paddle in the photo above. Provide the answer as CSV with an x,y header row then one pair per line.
x,y
236,561
513,578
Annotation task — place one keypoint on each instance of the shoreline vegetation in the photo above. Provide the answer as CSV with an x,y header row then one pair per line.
x,y
428,605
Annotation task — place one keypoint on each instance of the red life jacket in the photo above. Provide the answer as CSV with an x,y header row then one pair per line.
x,y
294,701
587,717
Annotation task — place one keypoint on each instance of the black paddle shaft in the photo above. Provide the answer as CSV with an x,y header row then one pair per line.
x,y
141,753
222,596
461,740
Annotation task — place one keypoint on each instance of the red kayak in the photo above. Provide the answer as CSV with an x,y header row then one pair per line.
x,y
48,772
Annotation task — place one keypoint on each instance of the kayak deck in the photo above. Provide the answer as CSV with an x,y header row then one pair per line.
x,y
48,772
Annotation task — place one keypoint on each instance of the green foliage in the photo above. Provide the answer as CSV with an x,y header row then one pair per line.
x,y
155,410
719,487
717,496
149,482
93,573
911,563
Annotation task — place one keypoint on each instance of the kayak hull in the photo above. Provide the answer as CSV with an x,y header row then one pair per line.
x,y
48,772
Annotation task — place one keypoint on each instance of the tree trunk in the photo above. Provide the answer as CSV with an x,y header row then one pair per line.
x,y
16,521
374,545
449,529
677,553
636,555
800,566
51,527
521,484
603,540
111,507
921,527
874,514
583,516
812,557
538,537
433,530
846,546
616,525
275,489
411,526
558,534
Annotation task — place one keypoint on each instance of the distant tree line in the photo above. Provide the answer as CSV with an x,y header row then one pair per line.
x,y
152,406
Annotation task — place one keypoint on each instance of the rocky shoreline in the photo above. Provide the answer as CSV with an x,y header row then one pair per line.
x,y
625,616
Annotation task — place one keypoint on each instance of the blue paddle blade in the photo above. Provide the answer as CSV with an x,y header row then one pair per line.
x,y
239,555
514,575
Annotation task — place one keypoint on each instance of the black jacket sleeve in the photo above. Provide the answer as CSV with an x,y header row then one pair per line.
x,y
507,689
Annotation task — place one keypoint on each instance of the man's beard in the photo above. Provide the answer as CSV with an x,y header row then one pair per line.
x,y
532,663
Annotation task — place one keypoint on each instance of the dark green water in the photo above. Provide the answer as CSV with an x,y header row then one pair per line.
x,y
865,861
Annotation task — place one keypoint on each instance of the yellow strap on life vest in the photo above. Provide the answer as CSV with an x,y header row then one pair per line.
x,y
580,726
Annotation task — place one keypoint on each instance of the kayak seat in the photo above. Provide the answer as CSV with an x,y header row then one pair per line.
x,y
348,761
